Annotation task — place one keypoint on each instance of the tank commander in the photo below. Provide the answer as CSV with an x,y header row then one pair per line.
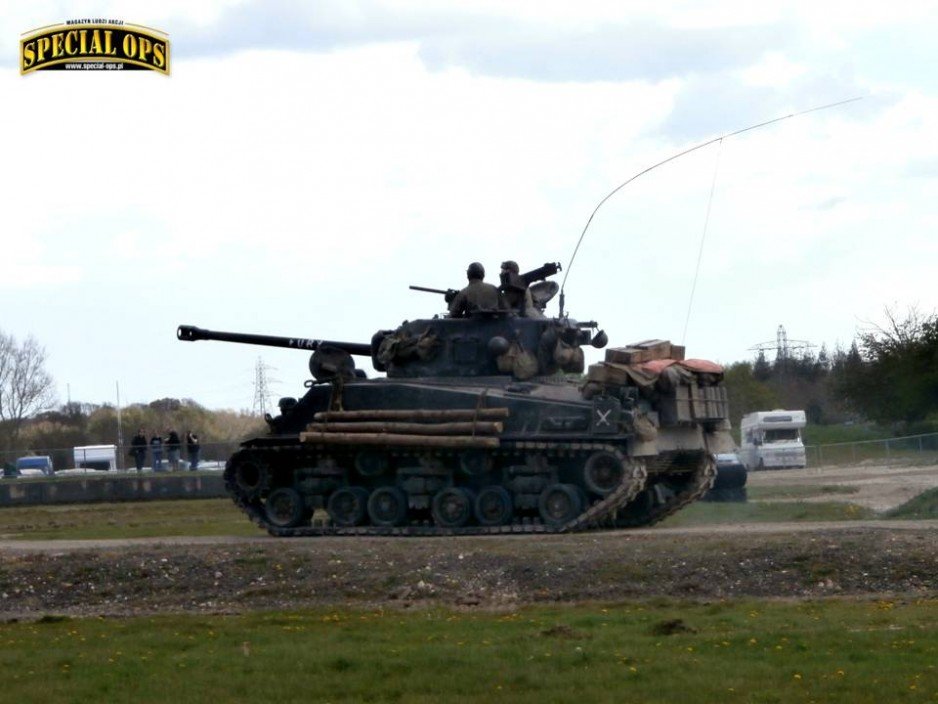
x,y
477,295
515,291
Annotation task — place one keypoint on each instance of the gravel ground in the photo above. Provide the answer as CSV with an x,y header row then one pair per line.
x,y
871,559
880,487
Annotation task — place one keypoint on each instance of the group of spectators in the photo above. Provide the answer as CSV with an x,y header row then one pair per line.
x,y
172,445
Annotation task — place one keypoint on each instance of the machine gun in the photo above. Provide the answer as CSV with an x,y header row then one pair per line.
x,y
448,293
541,273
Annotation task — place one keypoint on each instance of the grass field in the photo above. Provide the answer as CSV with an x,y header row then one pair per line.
x,y
205,517
740,650
705,513
743,651
133,519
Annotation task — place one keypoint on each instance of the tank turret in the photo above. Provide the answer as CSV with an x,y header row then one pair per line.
x,y
482,423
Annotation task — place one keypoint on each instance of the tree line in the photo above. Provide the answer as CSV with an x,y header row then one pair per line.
x,y
32,421
888,376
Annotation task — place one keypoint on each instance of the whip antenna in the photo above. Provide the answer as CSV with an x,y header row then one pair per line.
x,y
676,156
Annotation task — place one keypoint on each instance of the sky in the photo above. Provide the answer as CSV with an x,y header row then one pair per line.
x,y
306,161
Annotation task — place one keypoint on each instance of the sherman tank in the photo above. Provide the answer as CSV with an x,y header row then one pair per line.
x,y
485,423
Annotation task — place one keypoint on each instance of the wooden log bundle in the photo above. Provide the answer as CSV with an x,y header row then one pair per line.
x,y
391,440
436,428
484,427
416,414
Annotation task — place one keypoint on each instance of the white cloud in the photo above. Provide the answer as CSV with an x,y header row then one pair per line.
x,y
300,190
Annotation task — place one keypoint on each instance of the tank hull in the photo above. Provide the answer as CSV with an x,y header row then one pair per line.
x,y
457,456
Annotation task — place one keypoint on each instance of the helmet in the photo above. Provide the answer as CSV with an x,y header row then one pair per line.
x,y
475,271
511,266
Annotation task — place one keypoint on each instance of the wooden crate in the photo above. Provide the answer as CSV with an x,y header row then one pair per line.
x,y
694,404
644,352
606,373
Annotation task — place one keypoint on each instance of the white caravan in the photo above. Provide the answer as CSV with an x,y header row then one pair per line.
x,y
96,457
772,439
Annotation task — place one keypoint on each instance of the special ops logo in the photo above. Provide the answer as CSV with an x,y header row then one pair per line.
x,y
94,45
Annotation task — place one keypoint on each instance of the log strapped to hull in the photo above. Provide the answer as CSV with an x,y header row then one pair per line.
x,y
429,428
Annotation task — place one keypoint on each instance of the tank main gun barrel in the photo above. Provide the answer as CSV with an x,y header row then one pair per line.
x,y
190,333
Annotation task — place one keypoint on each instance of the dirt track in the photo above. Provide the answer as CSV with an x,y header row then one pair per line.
x,y
894,559
880,487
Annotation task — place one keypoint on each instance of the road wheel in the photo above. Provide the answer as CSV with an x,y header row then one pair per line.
x,y
250,476
285,508
603,472
348,506
494,506
387,506
560,504
452,507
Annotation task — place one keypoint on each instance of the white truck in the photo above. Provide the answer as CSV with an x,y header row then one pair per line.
x,y
772,439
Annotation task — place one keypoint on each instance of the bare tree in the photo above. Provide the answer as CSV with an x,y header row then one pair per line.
x,y
25,386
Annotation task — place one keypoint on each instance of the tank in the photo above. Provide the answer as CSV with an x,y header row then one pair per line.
x,y
488,423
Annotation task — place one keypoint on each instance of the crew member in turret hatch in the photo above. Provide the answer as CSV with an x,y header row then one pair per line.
x,y
515,291
478,295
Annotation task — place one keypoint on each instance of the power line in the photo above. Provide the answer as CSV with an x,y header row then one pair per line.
x,y
782,346
261,387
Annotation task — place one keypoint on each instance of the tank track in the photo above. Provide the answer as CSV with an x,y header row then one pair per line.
x,y
697,486
600,514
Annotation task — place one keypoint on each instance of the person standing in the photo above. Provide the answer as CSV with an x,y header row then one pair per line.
x,y
172,449
138,449
156,450
192,449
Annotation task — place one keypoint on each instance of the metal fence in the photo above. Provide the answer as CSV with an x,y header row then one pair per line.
x,y
212,456
911,449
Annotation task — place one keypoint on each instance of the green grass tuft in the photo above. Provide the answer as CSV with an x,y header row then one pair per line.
x,y
923,506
